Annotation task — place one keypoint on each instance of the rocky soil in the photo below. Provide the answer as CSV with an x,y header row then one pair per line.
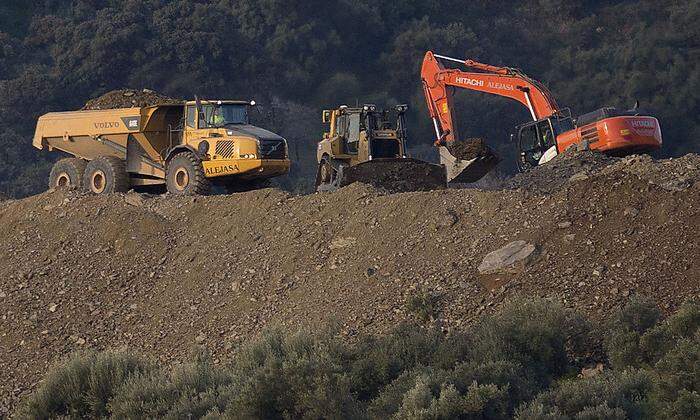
x,y
127,98
394,177
162,275
470,148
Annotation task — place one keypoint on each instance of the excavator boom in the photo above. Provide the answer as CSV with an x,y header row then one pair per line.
x,y
502,81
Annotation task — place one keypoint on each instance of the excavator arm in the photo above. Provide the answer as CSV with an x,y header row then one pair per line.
x,y
439,83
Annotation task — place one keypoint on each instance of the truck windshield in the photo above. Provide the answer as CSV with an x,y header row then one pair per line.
x,y
221,115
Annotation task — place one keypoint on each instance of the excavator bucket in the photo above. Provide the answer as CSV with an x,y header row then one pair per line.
x,y
468,160
395,175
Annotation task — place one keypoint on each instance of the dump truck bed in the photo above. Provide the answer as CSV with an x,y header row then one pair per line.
x,y
114,132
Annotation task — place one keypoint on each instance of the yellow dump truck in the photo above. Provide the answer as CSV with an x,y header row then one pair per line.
x,y
188,146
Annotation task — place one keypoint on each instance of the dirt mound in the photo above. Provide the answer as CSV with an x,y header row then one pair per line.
x,y
127,98
163,274
396,176
468,149
572,165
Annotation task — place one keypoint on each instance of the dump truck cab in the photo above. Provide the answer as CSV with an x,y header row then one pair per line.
x,y
219,131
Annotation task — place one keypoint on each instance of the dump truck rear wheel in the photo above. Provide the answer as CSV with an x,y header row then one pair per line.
x,y
67,173
185,175
106,175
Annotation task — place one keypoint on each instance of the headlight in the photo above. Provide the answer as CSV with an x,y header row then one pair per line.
x,y
203,148
229,132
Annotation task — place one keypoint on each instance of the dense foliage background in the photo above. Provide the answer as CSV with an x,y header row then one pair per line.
x,y
302,56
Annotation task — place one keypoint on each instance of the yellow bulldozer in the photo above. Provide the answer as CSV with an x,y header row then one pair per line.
x,y
364,144
186,146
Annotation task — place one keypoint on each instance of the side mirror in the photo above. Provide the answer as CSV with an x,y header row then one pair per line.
x,y
326,116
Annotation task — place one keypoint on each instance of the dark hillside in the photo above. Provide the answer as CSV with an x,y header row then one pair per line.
x,y
57,54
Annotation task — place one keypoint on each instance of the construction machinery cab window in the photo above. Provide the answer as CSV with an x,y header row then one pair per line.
x,y
224,114
535,139
340,125
562,125
353,137
546,135
191,114
530,144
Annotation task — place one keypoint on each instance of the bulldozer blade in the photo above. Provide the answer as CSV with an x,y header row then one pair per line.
x,y
396,175
466,171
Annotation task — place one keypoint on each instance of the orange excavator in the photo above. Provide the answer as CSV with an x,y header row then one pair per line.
x,y
551,131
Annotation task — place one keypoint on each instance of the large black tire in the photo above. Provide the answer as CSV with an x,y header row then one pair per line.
x,y
106,175
185,175
67,173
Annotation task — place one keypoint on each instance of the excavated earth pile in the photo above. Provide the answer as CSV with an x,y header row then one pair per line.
x,y
468,149
396,176
575,165
162,274
127,98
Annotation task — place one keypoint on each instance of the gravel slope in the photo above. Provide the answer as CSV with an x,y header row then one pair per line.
x,y
163,274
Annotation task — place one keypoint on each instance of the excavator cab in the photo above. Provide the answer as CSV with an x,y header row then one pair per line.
x,y
536,140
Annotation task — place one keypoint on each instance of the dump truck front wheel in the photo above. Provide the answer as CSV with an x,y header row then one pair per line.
x,y
185,175
67,173
106,175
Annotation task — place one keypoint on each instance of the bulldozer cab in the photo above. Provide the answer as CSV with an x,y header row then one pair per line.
x,y
365,133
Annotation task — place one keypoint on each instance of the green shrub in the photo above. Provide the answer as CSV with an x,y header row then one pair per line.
x,y
602,411
424,304
388,402
622,342
191,390
516,362
685,322
638,315
83,386
677,378
292,375
508,378
479,402
380,360
637,339
612,392
531,333
686,406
